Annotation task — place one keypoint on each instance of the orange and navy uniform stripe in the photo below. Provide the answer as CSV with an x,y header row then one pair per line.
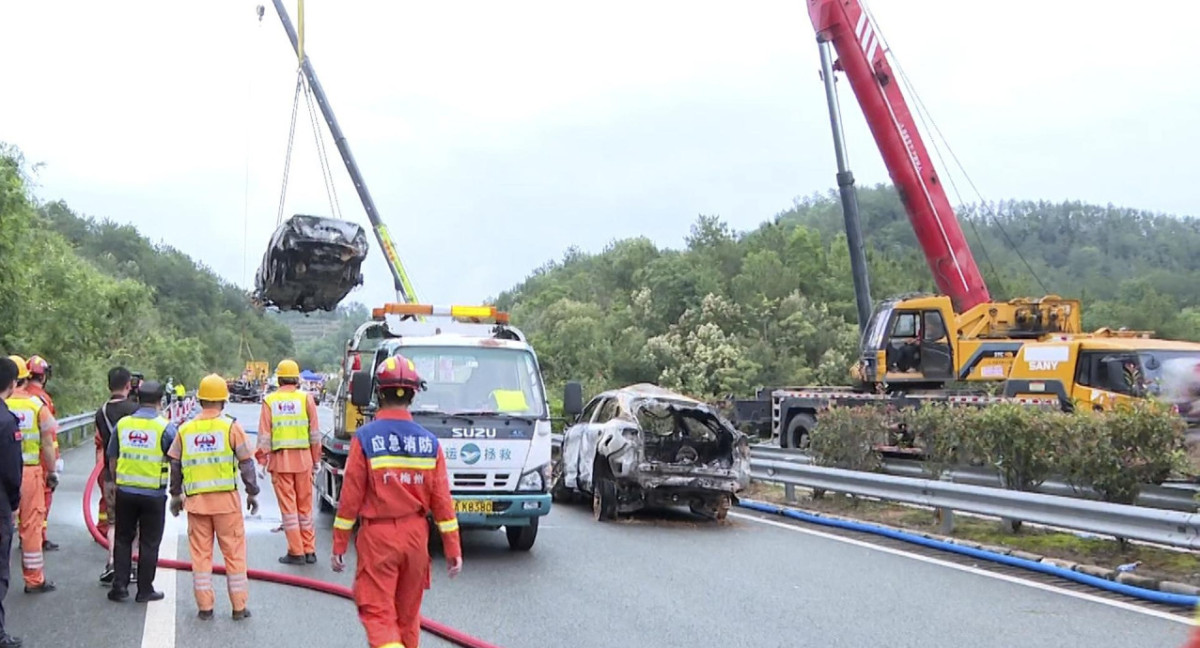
x,y
395,469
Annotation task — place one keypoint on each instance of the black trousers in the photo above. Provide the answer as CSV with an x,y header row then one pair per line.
x,y
6,539
143,515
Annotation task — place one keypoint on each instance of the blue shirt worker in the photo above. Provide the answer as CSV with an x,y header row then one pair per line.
x,y
141,472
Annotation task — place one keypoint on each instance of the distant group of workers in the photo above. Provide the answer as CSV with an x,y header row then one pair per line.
x,y
394,479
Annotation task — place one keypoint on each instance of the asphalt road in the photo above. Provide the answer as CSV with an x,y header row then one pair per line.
x,y
661,580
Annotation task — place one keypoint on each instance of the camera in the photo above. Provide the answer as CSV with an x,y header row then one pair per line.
x,y
136,378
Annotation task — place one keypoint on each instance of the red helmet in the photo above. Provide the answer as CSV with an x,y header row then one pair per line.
x,y
38,366
398,372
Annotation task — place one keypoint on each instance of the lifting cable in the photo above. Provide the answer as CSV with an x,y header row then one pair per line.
x,y
287,160
922,114
302,87
433,627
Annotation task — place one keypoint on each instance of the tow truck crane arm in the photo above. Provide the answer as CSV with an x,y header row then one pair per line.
x,y
404,289
846,25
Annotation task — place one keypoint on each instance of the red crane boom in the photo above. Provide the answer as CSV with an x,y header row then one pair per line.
x,y
846,25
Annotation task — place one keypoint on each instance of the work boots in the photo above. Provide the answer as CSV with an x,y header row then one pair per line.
x,y
238,615
152,595
310,558
46,586
291,559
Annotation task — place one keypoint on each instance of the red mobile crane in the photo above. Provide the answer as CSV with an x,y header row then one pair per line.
x,y
911,346
865,63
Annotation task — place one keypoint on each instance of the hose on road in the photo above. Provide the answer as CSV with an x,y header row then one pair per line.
x,y
433,627
1142,593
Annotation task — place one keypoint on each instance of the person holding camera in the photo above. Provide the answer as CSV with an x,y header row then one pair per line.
x,y
121,403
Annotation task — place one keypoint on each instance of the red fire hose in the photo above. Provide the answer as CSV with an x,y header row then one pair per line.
x,y
438,629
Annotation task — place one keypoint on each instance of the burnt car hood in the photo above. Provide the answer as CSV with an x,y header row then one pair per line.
x,y
311,263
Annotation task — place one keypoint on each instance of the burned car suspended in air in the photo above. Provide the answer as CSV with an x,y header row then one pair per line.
x,y
312,263
644,446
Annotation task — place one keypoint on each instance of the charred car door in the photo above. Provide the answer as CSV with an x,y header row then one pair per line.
x,y
579,447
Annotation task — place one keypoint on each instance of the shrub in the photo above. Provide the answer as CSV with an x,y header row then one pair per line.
x,y
846,437
1115,453
940,431
1118,452
1024,444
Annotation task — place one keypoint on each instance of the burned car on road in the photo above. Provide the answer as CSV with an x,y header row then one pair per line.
x,y
311,263
644,446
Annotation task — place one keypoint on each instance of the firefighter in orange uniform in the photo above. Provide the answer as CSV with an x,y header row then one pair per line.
x,y
395,477
39,375
289,445
38,430
206,456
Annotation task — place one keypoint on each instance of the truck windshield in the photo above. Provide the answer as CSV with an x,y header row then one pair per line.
x,y
477,380
876,329
1160,369
1145,372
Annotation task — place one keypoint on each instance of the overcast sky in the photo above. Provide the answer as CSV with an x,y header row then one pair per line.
x,y
495,135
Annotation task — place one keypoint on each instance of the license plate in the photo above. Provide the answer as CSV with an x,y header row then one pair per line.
x,y
473,506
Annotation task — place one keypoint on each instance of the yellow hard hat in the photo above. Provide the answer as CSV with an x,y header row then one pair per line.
x,y
22,366
213,388
288,369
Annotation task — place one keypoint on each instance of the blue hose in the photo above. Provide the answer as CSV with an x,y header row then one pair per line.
x,y
1153,596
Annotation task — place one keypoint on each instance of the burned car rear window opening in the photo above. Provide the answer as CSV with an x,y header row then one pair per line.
x,y
683,435
311,263
644,446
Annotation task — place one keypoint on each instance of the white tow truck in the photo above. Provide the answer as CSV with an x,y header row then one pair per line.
x,y
485,400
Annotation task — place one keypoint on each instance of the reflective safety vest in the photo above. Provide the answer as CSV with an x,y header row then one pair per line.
x,y
28,410
141,462
289,420
209,463
510,400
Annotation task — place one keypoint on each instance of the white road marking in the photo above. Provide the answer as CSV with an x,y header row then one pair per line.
x,y
971,570
159,630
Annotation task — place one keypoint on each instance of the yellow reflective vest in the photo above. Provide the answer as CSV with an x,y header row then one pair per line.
x,y
289,420
209,462
28,410
141,462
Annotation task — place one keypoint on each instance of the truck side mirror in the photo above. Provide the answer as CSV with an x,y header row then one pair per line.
x,y
362,384
573,399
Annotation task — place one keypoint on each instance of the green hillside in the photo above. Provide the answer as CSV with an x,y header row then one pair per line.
x,y
88,293
775,305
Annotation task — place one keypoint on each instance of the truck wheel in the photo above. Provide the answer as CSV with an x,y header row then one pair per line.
x,y
520,538
604,498
798,430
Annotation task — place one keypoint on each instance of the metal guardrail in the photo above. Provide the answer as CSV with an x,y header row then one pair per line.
x,y
74,430
1164,514
1178,496
1172,528
77,429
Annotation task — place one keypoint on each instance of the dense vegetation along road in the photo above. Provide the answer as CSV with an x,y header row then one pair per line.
x,y
660,580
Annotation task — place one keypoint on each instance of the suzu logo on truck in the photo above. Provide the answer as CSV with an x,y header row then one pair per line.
x,y
473,433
